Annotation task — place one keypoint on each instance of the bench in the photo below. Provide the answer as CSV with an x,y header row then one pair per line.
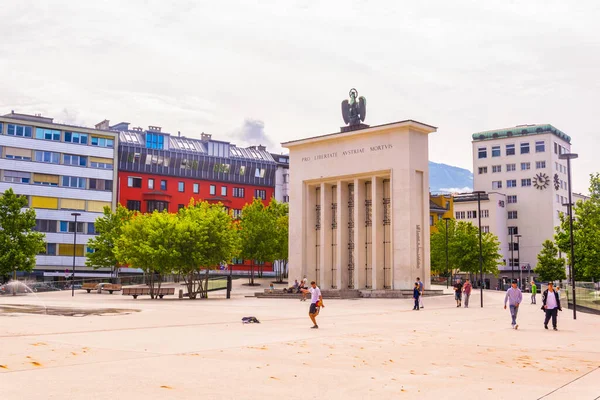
x,y
112,287
89,286
145,291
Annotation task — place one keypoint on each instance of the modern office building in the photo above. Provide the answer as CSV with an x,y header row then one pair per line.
x,y
282,177
523,164
62,169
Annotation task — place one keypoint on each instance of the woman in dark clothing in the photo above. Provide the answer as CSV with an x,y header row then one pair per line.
x,y
416,294
551,305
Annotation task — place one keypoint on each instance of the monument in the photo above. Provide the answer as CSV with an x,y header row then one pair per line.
x,y
359,204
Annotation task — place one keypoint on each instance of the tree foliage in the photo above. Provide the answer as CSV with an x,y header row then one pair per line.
x,y
586,234
19,243
549,266
280,215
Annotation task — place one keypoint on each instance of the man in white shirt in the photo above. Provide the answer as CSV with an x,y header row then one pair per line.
x,y
316,302
551,305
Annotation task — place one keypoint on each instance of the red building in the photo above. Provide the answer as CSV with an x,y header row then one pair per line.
x,y
159,171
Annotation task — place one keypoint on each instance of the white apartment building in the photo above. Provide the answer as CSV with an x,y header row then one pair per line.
x,y
522,163
61,169
282,177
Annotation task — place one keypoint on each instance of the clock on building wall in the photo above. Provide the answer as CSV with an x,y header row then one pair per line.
x,y
541,181
556,182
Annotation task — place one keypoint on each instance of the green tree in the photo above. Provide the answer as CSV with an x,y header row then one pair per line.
x,y
109,228
257,234
280,216
19,243
586,234
549,266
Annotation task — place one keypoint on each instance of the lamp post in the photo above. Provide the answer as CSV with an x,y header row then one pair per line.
x,y
512,255
74,247
569,157
447,269
519,263
479,193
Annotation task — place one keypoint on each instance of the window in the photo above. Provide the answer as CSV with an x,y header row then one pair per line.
x,y
482,170
496,168
237,213
69,226
101,165
238,192
154,141
496,184
180,206
46,180
213,190
511,167
196,188
513,230
69,159
540,164
286,178
485,229
223,190
47,134
460,215
17,176
525,166
134,182
163,185
102,142
260,194
495,151
150,183
260,173
74,137
512,215
19,130
526,182
501,203
181,186
525,148
510,149
485,213
540,147
286,199
512,199
471,214
482,152
430,220
555,148
45,225
155,205
51,249
513,246
134,205
101,184
510,183
91,228
237,261
224,168
73,182
47,157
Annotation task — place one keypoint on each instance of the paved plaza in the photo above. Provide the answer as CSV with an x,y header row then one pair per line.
x,y
366,348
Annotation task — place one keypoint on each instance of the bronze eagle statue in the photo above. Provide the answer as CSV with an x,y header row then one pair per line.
x,y
354,110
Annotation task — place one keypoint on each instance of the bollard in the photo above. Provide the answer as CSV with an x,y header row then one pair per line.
x,y
181,293
229,287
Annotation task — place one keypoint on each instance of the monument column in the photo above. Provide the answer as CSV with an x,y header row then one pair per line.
x,y
359,234
377,236
342,235
310,224
326,277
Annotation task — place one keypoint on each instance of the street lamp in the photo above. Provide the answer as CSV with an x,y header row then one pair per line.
x,y
519,258
479,193
569,157
512,255
74,247
447,269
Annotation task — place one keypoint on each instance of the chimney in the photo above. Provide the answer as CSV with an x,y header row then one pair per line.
x,y
179,133
104,125
154,128
205,137
261,147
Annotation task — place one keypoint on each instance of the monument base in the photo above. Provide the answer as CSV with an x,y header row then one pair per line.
x,y
350,128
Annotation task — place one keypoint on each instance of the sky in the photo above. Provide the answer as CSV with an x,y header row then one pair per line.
x,y
278,70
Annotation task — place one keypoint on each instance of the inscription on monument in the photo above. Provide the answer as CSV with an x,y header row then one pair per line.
x,y
351,152
418,246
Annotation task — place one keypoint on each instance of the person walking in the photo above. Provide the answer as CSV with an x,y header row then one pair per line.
x,y
421,290
551,305
514,298
316,302
533,292
467,287
416,296
458,292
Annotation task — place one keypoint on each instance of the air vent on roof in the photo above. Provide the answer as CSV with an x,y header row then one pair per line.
x,y
539,130
261,147
524,131
205,137
495,136
481,137
154,128
509,133
138,129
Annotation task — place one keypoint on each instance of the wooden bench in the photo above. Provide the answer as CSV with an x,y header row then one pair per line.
x,y
112,287
89,286
145,291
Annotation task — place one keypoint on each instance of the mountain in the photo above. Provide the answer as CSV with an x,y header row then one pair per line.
x,y
446,178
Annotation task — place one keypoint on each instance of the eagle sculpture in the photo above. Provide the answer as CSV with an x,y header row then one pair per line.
x,y
354,110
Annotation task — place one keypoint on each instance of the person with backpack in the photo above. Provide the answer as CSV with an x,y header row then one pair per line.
x,y
551,305
421,290
416,296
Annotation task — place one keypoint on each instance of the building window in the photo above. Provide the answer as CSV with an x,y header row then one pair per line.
x,y
91,228
511,167
510,149
555,148
239,192
430,220
540,164
224,168
74,137
260,194
259,173
526,182
163,185
47,134
482,152
513,246
511,183
78,161
242,170
286,199
213,190
73,182
102,142
482,170
181,186
46,225
496,168
51,249
19,130
47,157
180,206
223,190
155,205
485,229
134,182
512,199
154,141
150,183
237,213
69,227
101,165
460,215
196,188
540,147
513,230
495,151
286,178
134,205
496,184
471,214
512,215
514,263
525,166
17,177
485,213
525,148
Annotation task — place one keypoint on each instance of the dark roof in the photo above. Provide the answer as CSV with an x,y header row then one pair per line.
x,y
464,198
435,208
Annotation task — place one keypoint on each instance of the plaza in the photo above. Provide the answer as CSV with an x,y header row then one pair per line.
x,y
365,348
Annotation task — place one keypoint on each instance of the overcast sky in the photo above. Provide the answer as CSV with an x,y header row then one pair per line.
x,y
232,68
